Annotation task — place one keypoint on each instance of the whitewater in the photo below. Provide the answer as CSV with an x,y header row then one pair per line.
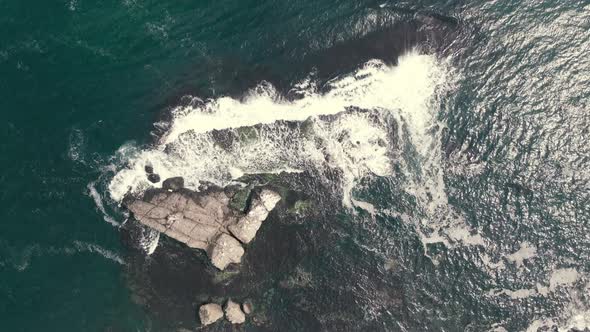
x,y
187,149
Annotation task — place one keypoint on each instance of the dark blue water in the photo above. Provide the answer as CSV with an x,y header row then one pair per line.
x,y
473,183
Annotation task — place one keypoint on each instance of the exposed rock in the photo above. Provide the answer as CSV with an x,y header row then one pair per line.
x,y
247,226
149,169
203,219
225,250
173,183
210,313
195,222
247,307
234,313
153,178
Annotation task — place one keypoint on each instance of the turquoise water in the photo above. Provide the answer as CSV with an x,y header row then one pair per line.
x,y
78,80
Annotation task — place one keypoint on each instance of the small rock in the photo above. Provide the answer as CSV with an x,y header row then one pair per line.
x,y
153,178
247,307
210,313
173,184
234,313
149,169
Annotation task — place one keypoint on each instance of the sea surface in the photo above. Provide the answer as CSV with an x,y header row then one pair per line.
x,y
445,179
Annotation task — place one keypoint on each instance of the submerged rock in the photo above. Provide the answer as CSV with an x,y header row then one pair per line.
x,y
300,207
234,313
240,200
203,220
210,313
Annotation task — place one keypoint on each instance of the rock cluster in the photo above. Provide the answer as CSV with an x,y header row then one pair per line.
x,y
204,220
211,312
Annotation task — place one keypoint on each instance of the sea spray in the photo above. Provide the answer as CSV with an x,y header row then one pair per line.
x,y
355,144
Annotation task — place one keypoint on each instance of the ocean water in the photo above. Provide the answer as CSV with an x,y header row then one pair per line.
x,y
442,147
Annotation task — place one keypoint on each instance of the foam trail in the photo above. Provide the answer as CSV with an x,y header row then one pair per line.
x,y
405,90
92,192
94,248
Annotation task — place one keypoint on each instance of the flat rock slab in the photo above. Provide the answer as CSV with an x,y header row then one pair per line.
x,y
204,220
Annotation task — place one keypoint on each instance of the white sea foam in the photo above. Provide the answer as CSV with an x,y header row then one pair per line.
x,y
526,251
563,277
513,294
578,320
576,314
153,244
94,248
355,143
92,192
22,258
148,239
408,86
370,208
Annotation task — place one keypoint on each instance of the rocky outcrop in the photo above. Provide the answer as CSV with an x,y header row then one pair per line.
x,y
175,183
247,226
210,313
234,313
204,220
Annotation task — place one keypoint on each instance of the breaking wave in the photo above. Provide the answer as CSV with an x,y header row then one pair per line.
x,y
356,143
